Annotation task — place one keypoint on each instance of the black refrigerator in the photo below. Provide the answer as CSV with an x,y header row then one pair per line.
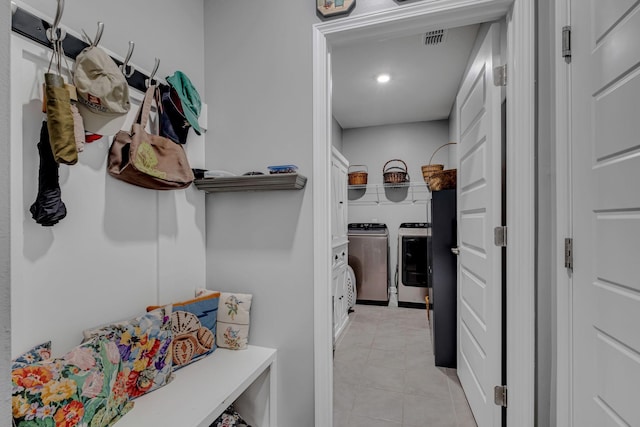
x,y
443,293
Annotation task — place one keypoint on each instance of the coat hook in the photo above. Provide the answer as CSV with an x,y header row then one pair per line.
x,y
124,65
94,42
52,32
149,81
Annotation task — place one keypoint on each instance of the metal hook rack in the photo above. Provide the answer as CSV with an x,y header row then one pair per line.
x,y
96,40
52,32
149,81
125,64
36,29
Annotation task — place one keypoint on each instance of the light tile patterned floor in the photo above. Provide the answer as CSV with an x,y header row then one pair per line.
x,y
384,374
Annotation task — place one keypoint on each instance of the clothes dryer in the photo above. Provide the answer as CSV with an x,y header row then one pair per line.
x,y
369,259
414,264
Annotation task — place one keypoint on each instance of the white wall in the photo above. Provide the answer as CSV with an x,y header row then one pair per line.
x,y
168,30
5,227
258,61
121,247
336,134
414,143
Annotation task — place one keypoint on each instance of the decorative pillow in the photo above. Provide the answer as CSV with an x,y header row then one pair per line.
x,y
145,348
36,354
233,319
230,418
194,329
83,388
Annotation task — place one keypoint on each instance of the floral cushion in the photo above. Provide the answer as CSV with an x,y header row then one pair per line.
x,y
36,354
233,319
145,348
83,388
194,328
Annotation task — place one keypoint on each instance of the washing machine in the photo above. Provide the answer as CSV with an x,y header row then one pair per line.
x,y
369,259
413,272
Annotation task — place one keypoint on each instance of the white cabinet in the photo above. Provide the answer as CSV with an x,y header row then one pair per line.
x,y
339,290
339,166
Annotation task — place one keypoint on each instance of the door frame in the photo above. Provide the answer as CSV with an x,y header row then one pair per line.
x,y
520,266
562,367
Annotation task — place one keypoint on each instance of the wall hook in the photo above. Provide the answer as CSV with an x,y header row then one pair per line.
x,y
94,42
52,32
149,81
124,65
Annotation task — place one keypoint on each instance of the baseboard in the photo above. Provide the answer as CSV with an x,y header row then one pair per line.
x,y
406,304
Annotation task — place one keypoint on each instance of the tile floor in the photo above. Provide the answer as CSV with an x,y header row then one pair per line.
x,y
384,374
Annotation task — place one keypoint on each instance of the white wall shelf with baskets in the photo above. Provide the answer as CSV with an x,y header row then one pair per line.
x,y
389,194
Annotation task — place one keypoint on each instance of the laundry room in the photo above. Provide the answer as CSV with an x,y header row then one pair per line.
x,y
395,125
392,100
391,204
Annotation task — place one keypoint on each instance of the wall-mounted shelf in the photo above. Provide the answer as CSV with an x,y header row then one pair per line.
x,y
280,181
377,194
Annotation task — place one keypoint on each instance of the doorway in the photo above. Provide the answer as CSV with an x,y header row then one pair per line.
x,y
407,19
451,83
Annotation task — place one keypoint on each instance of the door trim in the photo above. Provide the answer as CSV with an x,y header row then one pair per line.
x,y
520,175
520,220
562,366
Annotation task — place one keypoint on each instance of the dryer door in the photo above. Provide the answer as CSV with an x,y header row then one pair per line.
x,y
415,261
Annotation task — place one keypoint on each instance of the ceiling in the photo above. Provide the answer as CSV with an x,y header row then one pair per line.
x,y
424,78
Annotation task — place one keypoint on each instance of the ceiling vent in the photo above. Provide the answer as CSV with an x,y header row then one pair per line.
x,y
436,37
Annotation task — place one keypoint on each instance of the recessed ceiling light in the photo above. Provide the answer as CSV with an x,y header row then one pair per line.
x,y
383,78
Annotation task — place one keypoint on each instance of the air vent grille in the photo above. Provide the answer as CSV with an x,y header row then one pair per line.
x,y
436,37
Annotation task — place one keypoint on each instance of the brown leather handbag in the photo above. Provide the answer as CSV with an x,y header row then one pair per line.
x,y
147,160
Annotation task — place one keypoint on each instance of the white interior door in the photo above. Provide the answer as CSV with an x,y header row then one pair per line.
x,y
605,146
479,211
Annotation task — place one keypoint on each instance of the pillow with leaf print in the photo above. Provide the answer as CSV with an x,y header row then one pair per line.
x,y
233,319
83,388
145,345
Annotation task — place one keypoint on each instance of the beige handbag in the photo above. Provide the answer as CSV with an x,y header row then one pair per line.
x,y
147,160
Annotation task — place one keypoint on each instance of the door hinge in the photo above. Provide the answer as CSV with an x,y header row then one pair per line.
x,y
566,43
500,75
568,253
500,236
500,395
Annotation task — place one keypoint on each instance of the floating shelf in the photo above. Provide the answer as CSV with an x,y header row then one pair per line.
x,y
279,181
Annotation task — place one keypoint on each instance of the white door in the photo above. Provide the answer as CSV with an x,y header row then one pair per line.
x,y
605,146
479,211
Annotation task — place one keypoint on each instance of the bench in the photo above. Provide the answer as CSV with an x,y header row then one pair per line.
x,y
201,391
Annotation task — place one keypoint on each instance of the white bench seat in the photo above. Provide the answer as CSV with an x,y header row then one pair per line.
x,y
200,392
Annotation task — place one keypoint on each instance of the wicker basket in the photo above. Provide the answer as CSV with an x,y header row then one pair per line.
x,y
442,180
358,177
430,169
395,174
